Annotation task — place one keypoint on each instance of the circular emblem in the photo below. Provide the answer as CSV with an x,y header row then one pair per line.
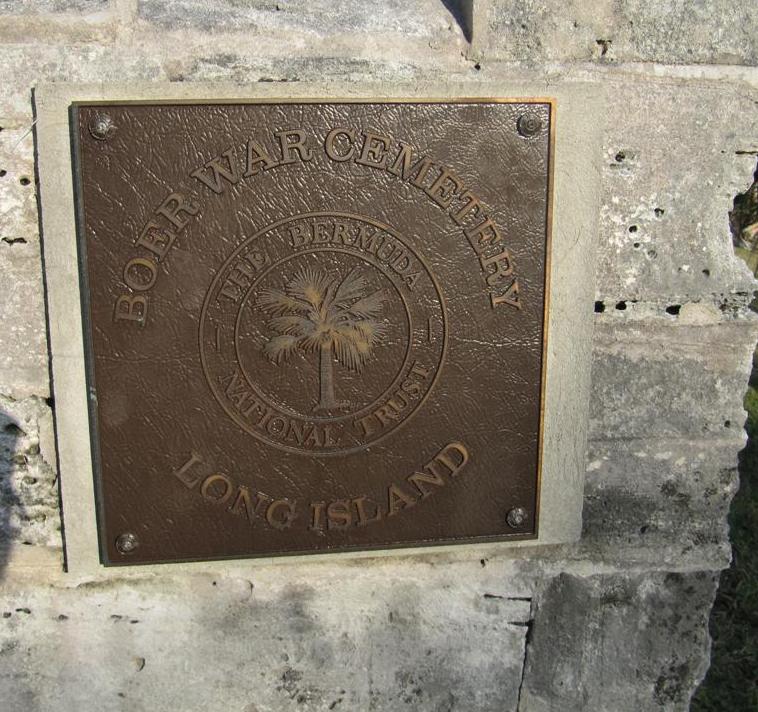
x,y
323,333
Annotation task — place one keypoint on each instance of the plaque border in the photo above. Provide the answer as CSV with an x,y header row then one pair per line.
x,y
89,356
559,496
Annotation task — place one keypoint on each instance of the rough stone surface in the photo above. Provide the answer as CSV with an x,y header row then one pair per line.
x,y
618,643
683,32
659,501
656,378
618,620
201,643
39,7
28,483
23,351
664,230
324,17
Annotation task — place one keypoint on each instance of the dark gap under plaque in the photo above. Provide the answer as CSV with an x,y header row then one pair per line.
x,y
313,326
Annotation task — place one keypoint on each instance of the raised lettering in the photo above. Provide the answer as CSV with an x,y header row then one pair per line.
x,y
457,464
339,514
317,514
444,189
132,271
289,148
374,152
258,159
174,206
331,149
212,495
503,266
280,513
363,517
486,233
510,296
131,308
156,239
181,474
218,172
397,500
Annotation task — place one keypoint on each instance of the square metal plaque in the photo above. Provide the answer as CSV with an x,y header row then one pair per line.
x,y
313,326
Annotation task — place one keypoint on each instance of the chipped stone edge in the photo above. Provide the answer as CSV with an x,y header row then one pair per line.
x,y
574,236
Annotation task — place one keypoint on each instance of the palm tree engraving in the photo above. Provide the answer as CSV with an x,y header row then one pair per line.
x,y
330,315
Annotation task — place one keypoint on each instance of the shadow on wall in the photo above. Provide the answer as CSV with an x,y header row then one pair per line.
x,y
462,12
12,511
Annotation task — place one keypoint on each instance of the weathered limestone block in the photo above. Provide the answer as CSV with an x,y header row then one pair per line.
x,y
676,153
27,65
676,32
218,66
322,17
332,38
28,482
39,7
618,643
192,644
31,21
18,206
659,503
23,350
660,378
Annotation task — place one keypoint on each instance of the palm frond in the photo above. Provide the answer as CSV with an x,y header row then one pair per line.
x,y
316,311
276,303
368,307
309,285
280,348
370,330
353,344
350,288
292,324
348,352
313,341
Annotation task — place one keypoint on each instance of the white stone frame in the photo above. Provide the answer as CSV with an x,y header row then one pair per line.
x,y
572,276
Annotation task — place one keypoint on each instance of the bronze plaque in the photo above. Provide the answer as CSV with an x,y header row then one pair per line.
x,y
313,326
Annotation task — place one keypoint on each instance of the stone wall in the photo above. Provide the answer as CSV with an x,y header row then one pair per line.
x,y
615,622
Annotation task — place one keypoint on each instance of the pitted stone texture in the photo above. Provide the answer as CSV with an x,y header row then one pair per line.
x,y
28,483
208,35
18,206
27,65
196,644
659,502
618,643
677,32
215,66
322,17
676,154
654,379
65,21
38,7
188,59
23,353
23,350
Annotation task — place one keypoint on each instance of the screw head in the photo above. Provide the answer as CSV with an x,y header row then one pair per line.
x,y
101,127
529,124
517,517
126,543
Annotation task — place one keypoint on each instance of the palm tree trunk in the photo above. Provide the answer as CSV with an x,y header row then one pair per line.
x,y
327,401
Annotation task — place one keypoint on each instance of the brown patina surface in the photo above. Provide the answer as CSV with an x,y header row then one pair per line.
x,y
313,326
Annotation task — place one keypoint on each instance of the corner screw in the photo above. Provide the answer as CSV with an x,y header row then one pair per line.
x,y
101,127
517,517
127,543
529,125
